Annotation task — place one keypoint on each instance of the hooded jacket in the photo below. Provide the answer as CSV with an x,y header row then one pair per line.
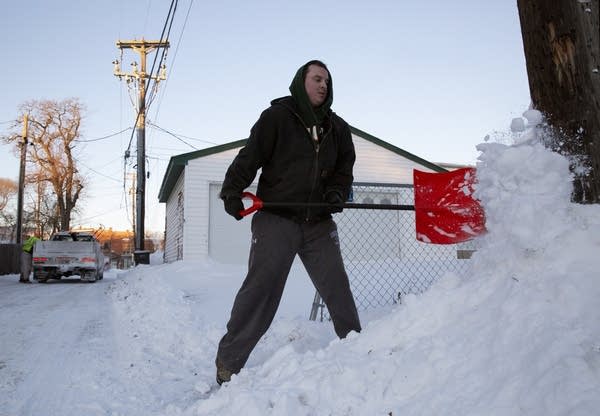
x,y
295,167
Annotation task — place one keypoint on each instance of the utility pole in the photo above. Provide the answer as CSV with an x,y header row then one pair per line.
x,y
19,236
143,47
132,193
38,223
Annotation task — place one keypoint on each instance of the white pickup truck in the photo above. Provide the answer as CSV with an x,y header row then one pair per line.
x,y
68,254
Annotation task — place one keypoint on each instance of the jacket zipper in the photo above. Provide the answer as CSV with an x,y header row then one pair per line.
x,y
316,178
316,146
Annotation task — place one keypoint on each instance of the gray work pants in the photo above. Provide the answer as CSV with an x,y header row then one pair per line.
x,y
25,266
275,243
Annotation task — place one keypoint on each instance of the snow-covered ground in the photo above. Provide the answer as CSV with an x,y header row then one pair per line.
x,y
519,334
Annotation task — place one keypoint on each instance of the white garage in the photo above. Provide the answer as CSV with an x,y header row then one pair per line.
x,y
196,224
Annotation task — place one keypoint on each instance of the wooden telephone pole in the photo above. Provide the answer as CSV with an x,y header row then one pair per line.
x,y
143,48
561,41
19,231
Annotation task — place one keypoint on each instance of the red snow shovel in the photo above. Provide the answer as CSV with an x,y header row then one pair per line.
x,y
446,212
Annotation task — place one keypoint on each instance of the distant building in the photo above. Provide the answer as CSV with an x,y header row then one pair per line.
x,y
118,246
7,234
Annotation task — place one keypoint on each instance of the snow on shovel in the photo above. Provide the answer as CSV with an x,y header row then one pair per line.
x,y
446,212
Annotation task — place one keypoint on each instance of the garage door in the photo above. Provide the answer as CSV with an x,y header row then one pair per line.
x,y
228,239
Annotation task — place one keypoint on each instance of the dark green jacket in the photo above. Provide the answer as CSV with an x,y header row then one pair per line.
x,y
295,168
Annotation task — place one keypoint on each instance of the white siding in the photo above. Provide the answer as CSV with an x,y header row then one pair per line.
x,y
228,239
377,164
174,232
200,173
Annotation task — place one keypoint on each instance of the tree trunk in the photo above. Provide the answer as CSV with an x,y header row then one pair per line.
x,y
561,41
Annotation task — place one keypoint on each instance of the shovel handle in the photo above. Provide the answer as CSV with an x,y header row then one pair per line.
x,y
257,204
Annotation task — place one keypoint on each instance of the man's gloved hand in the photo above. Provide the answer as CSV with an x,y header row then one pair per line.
x,y
334,198
233,206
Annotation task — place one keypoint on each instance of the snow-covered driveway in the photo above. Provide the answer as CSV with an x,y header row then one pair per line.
x,y
58,347
141,342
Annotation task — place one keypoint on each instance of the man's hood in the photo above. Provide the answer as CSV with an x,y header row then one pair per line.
x,y
309,114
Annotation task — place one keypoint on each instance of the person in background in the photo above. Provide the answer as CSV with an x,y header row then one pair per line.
x,y
306,154
26,258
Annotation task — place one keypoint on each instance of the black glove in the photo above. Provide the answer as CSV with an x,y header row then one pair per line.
x,y
233,206
334,198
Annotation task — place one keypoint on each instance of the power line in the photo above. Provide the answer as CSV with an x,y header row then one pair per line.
x,y
144,86
169,16
98,173
179,136
164,50
162,158
174,57
165,151
83,220
110,162
168,132
103,137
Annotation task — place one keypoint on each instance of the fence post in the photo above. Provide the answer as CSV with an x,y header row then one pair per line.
x,y
317,303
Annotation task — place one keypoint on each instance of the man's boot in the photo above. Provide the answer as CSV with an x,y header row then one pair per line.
x,y
223,374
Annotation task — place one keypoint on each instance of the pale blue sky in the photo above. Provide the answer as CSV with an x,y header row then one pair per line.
x,y
433,78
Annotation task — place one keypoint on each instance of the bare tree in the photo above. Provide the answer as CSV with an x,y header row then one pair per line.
x,y
54,127
561,40
44,206
8,189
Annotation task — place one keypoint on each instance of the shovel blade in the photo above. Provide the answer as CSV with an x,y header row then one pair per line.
x,y
445,210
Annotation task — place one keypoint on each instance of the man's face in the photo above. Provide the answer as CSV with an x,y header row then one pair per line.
x,y
315,83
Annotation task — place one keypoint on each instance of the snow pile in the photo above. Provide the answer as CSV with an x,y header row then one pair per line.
x,y
521,335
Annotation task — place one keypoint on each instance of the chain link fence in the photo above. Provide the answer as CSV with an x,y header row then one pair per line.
x,y
383,258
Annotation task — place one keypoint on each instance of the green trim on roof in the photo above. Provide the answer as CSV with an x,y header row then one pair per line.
x,y
397,150
177,163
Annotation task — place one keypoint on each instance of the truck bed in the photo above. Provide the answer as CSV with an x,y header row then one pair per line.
x,y
55,259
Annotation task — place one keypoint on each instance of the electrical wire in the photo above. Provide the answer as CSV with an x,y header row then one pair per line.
x,y
165,83
170,16
87,219
181,140
101,138
110,162
164,50
96,172
154,90
174,57
179,136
